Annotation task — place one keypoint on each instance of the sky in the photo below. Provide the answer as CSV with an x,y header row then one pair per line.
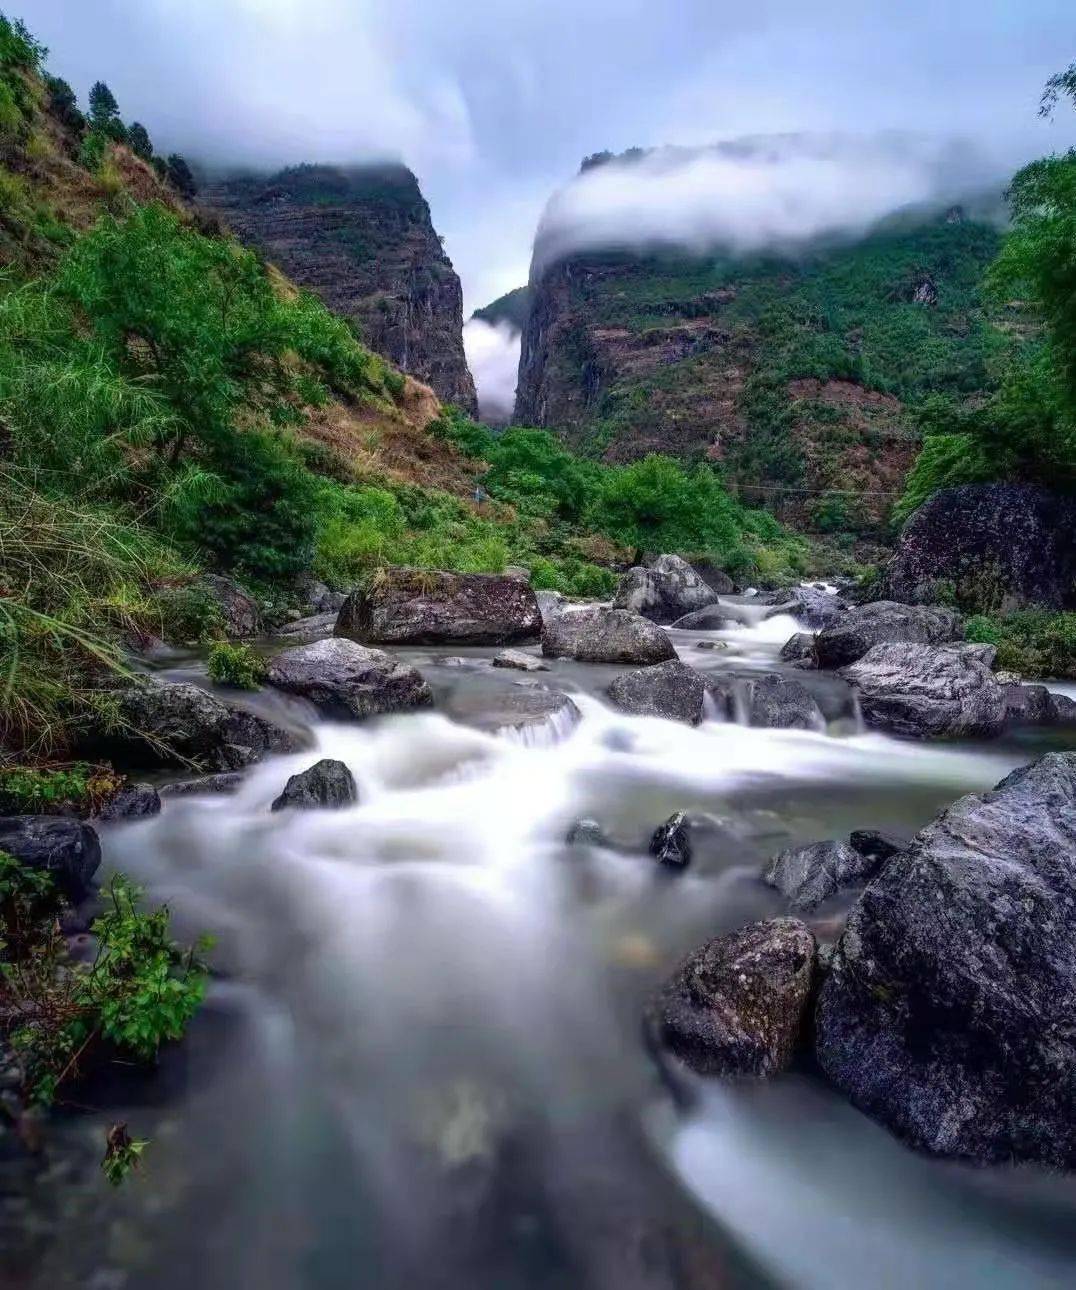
x,y
493,103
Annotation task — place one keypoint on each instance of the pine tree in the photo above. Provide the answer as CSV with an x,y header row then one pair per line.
x,y
179,173
104,109
139,140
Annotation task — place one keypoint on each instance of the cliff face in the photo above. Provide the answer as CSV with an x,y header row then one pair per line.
x,y
796,375
363,240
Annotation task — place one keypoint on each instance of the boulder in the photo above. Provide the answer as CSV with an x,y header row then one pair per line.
x,y
672,690
997,547
238,608
666,591
550,605
874,845
716,579
67,850
948,1011
1062,710
711,619
736,1007
798,650
587,833
809,875
226,782
815,606
597,635
670,844
326,784
1027,705
344,679
165,723
429,607
314,628
529,711
769,700
131,802
520,661
885,622
928,691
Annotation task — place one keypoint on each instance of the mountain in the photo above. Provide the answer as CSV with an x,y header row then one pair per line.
x,y
511,308
362,238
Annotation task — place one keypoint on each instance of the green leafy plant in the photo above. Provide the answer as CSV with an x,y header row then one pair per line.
x,y
29,790
240,666
1030,642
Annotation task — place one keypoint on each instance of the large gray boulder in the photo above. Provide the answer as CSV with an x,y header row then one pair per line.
x,y
766,699
929,691
798,651
672,690
344,679
430,607
597,635
532,712
711,619
948,1011
998,547
67,850
885,622
809,875
736,1007
666,591
328,784
815,606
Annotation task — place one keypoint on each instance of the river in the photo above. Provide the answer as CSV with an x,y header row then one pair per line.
x,y
421,1061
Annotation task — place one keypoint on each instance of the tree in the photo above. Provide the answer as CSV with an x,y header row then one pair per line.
x,y
180,177
139,141
1064,83
104,110
62,102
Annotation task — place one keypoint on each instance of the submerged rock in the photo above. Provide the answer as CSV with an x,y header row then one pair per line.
x,y
736,1007
526,710
520,660
928,691
344,679
947,1014
712,619
587,833
672,690
597,635
670,844
666,591
809,875
227,782
885,622
769,700
131,802
326,784
430,607
67,850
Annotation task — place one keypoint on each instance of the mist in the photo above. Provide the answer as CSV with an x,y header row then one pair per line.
x,y
493,357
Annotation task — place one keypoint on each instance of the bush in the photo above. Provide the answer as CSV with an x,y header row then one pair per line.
x,y
26,790
1030,642
240,666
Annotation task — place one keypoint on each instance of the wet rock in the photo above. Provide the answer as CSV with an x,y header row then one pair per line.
x,y
532,711
799,650
238,608
67,850
1026,704
947,1014
711,619
1062,710
670,844
326,784
521,661
429,607
597,635
816,607
671,690
344,679
736,1007
769,700
666,591
587,833
321,599
875,845
927,691
809,875
227,782
550,605
316,627
885,622
716,579
998,547
165,723
131,802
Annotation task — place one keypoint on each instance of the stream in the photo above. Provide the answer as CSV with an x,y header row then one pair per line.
x,y
421,1062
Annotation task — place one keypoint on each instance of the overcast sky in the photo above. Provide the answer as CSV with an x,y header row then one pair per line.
x,y
494,102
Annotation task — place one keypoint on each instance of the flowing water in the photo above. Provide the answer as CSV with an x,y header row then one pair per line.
x,y
421,1062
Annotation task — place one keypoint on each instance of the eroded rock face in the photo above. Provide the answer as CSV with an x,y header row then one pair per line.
x,y
809,875
736,1006
328,784
999,546
671,690
345,679
947,1014
929,691
666,591
885,622
598,635
429,607
67,850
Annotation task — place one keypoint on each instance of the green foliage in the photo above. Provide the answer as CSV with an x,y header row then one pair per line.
x,y
139,141
104,110
122,1154
1063,84
28,790
180,177
1031,642
240,666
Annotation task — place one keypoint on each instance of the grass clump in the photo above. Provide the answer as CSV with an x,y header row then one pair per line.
x,y
1030,642
239,666
57,790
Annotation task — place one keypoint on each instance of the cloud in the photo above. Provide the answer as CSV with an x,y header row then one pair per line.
x,y
493,357
756,194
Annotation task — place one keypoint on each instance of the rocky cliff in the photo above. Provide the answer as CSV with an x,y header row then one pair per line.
x,y
795,373
364,241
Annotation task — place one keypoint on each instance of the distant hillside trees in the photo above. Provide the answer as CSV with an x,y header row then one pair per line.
x,y
179,175
138,141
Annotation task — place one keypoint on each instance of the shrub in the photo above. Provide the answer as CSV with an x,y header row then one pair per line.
x,y
1031,642
240,666
27,790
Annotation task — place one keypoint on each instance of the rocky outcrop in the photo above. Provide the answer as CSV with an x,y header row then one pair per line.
x,y
736,1007
363,240
671,690
929,691
328,784
666,591
66,850
770,700
598,635
344,679
670,843
947,1013
429,607
996,547
810,875
884,622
